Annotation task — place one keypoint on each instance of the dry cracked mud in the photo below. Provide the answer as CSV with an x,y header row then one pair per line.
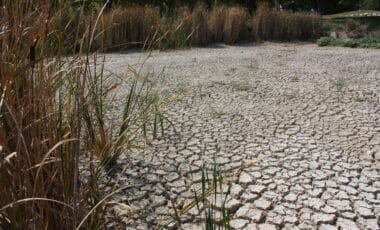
x,y
295,128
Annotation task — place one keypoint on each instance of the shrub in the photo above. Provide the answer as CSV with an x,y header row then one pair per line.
x,y
367,42
324,41
355,29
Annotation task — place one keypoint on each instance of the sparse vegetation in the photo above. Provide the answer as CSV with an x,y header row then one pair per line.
x,y
352,43
240,86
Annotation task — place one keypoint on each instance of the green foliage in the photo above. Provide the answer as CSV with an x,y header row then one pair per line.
x,y
367,42
371,4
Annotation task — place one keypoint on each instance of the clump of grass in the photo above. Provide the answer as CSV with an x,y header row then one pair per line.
x,y
240,86
367,42
340,86
212,190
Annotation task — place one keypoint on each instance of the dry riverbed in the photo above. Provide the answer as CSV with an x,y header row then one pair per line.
x,y
300,123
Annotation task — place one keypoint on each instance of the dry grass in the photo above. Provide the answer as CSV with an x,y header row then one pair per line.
x,y
284,25
131,26
216,21
228,24
36,126
53,119
200,29
234,24
142,26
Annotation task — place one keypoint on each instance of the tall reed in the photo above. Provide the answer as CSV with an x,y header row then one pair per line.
x,y
137,26
284,25
235,24
54,136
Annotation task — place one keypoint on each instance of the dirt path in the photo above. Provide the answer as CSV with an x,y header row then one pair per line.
x,y
311,115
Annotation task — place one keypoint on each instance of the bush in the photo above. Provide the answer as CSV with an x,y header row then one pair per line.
x,y
352,43
355,29
324,41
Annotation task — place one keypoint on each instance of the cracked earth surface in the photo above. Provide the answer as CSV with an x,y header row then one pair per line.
x,y
295,126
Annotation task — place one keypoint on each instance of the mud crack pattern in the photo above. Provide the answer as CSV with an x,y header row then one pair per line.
x,y
306,119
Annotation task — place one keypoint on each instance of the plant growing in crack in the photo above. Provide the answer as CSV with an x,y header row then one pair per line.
x,y
340,86
240,86
212,190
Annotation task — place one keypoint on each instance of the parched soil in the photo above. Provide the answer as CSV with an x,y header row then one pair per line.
x,y
295,128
